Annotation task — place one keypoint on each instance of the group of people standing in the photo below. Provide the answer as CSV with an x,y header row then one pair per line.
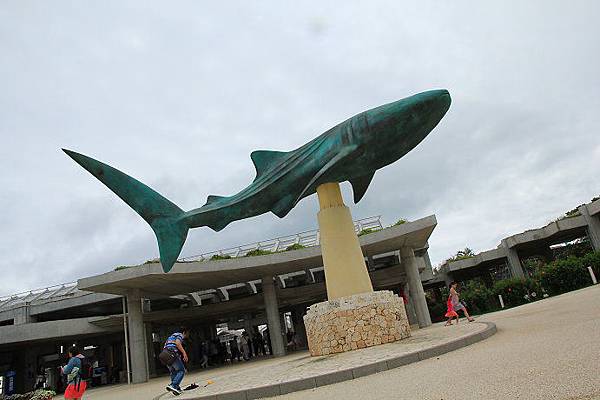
x,y
247,346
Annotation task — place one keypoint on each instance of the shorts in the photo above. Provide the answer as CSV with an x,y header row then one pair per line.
x,y
458,306
73,393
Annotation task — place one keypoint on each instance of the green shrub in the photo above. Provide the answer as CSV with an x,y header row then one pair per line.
x,y
295,246
366,231
592,260
120,267
437,311
478,298
517,291
400,222
220,257
573,250
257,252
562,276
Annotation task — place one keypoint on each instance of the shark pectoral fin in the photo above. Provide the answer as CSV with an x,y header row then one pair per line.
x,y
284,205
265,159
218,224
345,152
360,186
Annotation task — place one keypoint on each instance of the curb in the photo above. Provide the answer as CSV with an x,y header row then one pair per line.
x,y
352,373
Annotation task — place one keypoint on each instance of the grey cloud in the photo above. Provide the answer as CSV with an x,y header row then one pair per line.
x,y
179,96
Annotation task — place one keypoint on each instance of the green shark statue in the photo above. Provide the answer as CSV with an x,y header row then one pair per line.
x,y
351,151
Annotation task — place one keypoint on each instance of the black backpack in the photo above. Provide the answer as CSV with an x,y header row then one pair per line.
x,y
86,370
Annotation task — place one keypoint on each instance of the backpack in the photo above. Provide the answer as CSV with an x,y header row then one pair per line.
x,y
86,370
167,358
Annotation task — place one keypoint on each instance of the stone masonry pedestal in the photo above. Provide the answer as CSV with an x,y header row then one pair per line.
x,y
355,322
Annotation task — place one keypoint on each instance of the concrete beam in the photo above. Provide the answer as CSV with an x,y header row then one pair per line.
x,y
61,304
50,330
223,294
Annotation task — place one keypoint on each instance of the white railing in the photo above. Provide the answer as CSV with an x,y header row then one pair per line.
x,y
305,239
63,289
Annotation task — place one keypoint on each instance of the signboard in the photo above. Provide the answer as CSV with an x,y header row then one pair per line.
x,y
9,382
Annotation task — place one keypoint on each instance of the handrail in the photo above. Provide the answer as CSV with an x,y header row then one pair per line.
x,y
22,295
306,239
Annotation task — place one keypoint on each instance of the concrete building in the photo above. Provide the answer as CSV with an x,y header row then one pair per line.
x,y
136,308
507,259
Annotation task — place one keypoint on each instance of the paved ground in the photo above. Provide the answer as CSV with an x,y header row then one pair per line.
x,y
546,350
297,366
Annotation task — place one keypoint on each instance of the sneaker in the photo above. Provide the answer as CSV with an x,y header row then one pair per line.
x,y
174,390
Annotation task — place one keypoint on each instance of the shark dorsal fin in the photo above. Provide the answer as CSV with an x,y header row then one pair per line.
x,y
360,185
265,159
212,199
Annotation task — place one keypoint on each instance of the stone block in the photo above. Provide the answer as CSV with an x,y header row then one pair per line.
x,y
334,377
295,386
238,395
370,369
265,391
354,322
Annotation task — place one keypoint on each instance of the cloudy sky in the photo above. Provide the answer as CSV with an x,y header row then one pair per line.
x,y
178,94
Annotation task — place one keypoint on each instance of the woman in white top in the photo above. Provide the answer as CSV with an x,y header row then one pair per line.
x,y
456,303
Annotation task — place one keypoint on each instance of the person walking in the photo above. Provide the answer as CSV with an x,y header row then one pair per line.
x,y
267,341
204,355
235,350
174,347
456,303
76,383
245,347
450,313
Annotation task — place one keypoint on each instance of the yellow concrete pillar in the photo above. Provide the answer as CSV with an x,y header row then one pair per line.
x,y
345,270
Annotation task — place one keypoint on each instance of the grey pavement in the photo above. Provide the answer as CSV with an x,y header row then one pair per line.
x,y
299,371
545,350
549,349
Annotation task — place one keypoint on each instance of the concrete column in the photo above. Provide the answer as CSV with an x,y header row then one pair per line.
x,y
21,316
447,279
273,317
298,320
593,227
410,308
417,294
137,338
30,368
514,262
150,349
427,273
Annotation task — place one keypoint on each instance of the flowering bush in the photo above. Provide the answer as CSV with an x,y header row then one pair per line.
x,y
562,276
517,291
477,297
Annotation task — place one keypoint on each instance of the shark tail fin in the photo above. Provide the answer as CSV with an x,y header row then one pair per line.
x,y
165,218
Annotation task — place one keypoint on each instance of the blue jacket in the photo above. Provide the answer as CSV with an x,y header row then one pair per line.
x,y
73,369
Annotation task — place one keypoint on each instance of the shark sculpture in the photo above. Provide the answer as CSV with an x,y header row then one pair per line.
x,y
350,151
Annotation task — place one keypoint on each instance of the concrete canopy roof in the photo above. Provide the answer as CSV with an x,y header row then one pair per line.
x,y
194,276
